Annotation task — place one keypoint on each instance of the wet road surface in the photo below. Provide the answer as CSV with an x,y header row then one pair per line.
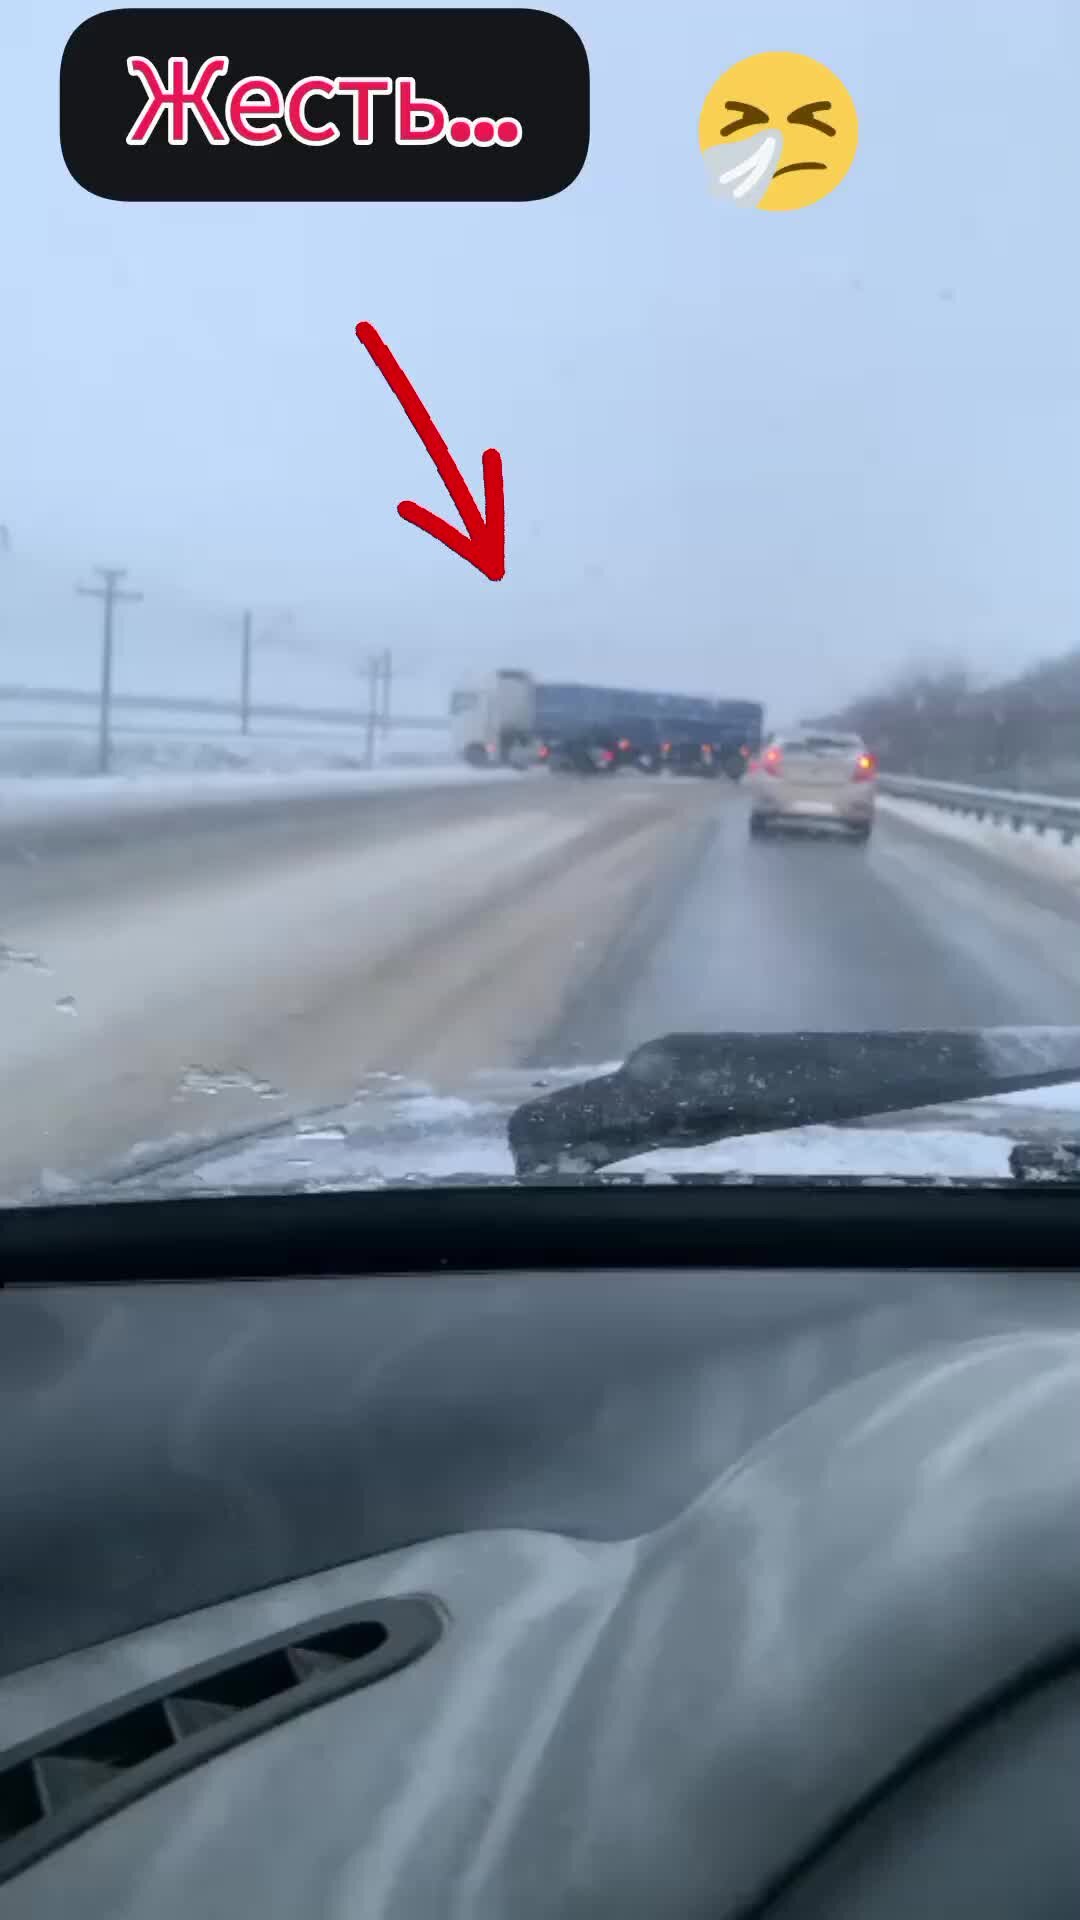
x,y
164,987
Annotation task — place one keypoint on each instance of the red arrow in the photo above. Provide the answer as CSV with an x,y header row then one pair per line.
x,y
483,543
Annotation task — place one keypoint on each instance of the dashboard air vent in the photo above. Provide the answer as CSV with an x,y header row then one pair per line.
x,y
67,1779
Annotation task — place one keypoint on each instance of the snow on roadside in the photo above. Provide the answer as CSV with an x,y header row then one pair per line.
x,y
44,802
1045,853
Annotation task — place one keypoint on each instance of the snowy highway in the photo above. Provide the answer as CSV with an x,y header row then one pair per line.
x,y
178,974
927,927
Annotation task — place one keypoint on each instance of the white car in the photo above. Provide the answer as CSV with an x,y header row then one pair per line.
x,y
813,776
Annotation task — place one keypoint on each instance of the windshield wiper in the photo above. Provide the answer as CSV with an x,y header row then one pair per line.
x,y
690,1089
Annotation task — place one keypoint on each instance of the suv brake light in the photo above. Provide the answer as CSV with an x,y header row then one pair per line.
x,y
770,760
865,767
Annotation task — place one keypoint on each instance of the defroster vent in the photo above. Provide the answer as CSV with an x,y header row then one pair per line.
x,y
66,1780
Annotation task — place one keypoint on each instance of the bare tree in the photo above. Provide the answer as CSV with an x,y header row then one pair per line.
x,y
940,724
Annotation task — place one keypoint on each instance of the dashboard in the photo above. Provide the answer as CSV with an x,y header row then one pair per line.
x,y
751,1592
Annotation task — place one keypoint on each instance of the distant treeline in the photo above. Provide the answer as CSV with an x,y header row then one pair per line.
x,y
944,726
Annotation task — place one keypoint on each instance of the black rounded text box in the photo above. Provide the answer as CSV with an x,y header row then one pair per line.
x,y
385,103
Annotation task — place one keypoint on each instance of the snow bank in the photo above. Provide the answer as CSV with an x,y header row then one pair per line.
x,y
1044,853
50,802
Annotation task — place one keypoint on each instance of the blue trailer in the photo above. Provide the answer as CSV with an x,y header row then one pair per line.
x,y
565,710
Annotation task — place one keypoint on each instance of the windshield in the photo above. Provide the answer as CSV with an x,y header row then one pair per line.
x,y
353,788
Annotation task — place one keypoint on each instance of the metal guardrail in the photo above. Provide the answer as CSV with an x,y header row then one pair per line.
x,y
1045,812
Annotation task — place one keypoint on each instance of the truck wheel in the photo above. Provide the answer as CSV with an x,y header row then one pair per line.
x,y
758,826
476,757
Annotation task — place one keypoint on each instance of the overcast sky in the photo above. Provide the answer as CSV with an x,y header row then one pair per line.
x,y
747,453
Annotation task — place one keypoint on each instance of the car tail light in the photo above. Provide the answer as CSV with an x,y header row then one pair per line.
x,y
543,754
623,746
771,760
607,756
865,767
666,747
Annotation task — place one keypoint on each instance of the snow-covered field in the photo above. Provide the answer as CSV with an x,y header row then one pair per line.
x,y
30,752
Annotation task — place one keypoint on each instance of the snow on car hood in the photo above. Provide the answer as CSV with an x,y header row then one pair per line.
x,y
395,1129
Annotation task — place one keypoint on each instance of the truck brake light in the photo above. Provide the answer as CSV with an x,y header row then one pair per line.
x,y
771,760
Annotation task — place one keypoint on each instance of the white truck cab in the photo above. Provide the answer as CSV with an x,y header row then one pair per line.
x,y
493,719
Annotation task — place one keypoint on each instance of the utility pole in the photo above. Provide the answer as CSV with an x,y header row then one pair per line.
x,y
374,674
387,678
245,674
108,593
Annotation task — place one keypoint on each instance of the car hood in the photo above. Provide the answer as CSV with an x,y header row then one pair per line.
x,y
400,1130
